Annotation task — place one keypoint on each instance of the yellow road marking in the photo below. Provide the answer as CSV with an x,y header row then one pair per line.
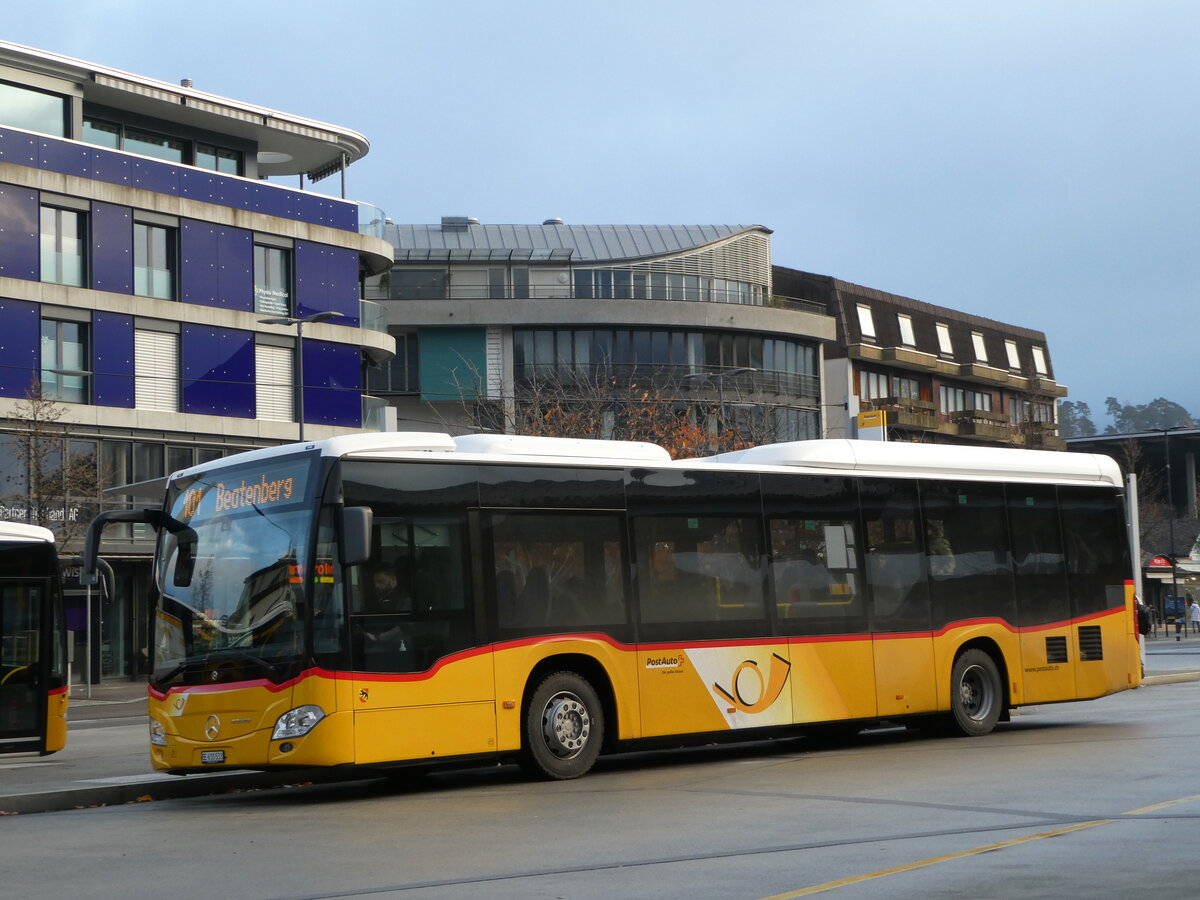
x,y
974,851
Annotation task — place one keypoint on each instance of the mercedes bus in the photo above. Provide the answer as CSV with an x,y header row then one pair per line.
x,y
392,599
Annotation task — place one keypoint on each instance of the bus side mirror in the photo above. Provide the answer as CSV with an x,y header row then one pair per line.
x,y
356,535
185,557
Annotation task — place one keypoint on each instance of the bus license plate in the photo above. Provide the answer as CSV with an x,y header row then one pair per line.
x,y
212,757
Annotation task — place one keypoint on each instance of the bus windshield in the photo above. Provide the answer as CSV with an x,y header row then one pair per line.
x,y
231,577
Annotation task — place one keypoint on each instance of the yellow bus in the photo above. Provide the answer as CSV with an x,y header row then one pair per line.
x,y
33,642
390,599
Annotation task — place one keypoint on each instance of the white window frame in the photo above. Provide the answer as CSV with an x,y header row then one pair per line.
x,y
980,347
274,389
156,370
866,322
907,337
1039,361
945,345
1014,359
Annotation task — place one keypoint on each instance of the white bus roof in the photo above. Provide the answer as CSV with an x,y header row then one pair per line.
x,y
845,456
928,460
17,531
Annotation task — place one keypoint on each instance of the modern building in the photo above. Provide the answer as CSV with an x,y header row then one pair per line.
x,y
927,373
143,257
485,312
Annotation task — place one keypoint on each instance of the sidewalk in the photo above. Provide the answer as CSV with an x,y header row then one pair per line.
x,y
106,760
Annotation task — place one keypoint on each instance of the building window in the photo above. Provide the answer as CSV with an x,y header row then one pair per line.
x,y
273,383
147,143
63,244
65,360
399,374
866,324
101,133
945,347
907,338
955,399
272,280
1014,361
418,284
882,386
520,281
980,349
33,110
156,370
219,159
154,261
496,284
1039,361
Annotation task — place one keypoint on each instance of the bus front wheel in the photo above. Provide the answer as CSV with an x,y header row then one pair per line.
x,y
564,728
976,697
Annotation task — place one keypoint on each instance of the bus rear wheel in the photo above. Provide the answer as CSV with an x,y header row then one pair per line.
x,y
976,697
564,728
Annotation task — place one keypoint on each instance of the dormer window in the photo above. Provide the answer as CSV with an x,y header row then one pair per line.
x,y
907,338
980,349
1014,361
866,324
1039,361
945,347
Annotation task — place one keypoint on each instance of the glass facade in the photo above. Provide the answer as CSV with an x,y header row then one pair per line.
x,y
272,280
154,261
65,361
634,284
33,110
63,242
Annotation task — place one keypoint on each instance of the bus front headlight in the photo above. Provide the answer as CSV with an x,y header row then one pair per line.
x,y
158,734
297,722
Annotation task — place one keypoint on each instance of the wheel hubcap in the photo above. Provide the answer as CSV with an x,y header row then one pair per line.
x,y
975,693
566,725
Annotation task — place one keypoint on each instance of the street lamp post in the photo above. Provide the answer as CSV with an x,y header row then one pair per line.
x,y
718,378
300,322
1166,433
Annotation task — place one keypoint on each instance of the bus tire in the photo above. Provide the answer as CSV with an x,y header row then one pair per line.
x,y
976,695
564,728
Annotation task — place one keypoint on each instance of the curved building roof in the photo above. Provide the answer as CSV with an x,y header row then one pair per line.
x,y
287,144
459,238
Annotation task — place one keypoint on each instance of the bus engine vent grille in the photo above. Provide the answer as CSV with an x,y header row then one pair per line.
x,y
1091,647
1056,649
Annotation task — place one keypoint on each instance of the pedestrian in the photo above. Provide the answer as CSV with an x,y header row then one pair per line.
x,y
1194,614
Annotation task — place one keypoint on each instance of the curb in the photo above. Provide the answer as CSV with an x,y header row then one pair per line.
x,y
177,787
1171,678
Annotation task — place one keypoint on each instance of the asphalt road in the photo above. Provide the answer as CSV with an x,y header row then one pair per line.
x,y
1072,800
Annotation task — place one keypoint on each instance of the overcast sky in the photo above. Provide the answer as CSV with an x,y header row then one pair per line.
x,y
1030,161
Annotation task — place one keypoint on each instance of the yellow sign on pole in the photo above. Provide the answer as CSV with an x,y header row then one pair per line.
x,y
872,425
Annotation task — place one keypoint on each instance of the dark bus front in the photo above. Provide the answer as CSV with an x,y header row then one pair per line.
x,y
33,687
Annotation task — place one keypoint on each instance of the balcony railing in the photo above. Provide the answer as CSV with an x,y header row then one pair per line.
x,y
372,316
756,385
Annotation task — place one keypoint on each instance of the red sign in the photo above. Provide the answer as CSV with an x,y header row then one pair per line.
x,y
1160,561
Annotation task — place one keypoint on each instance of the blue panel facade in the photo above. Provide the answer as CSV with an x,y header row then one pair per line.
x,y
18,148
19,346
218,371
112,248
19,254
333,384
160,177
112,359
217,265
112,168
326,279
66,158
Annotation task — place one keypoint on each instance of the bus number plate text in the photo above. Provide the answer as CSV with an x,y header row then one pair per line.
x,y
212,757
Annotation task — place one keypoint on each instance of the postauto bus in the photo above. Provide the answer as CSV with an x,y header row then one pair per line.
x,y
33,642
390,599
